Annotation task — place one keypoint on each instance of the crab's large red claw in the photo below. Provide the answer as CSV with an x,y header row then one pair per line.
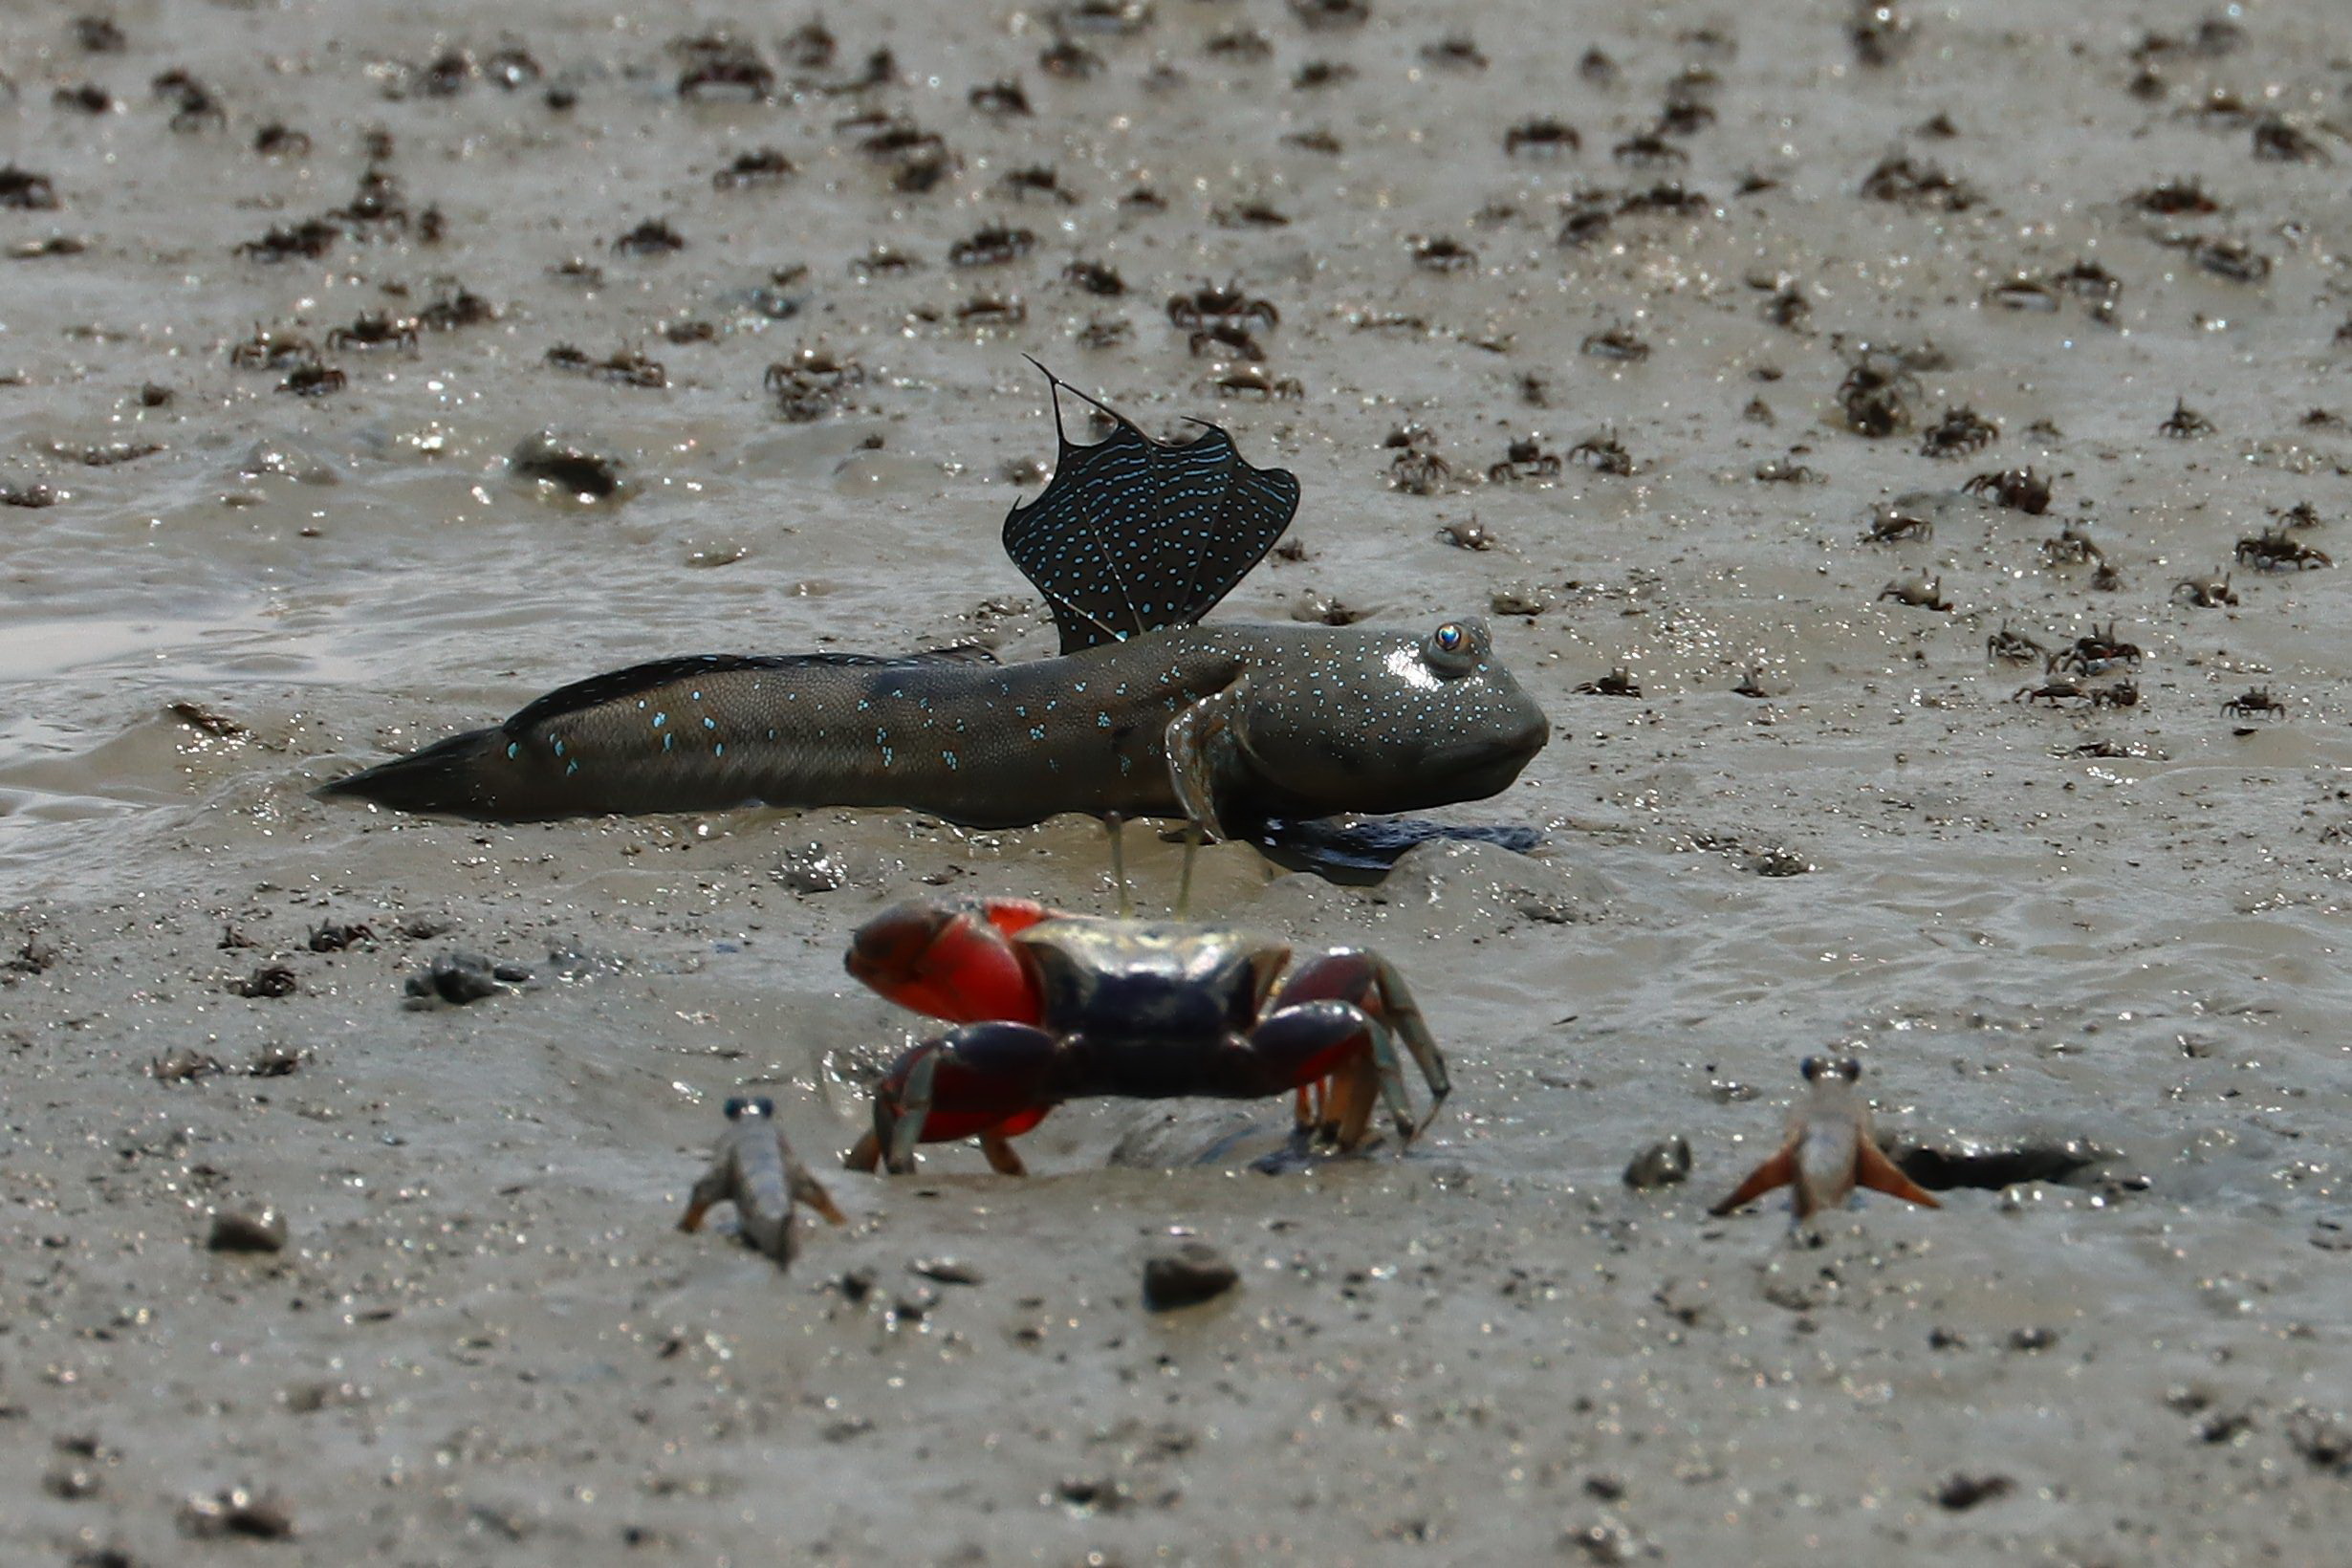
x,y
950,961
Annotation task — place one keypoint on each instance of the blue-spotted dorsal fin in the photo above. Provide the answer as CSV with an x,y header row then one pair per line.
x,y
638,679
1134,534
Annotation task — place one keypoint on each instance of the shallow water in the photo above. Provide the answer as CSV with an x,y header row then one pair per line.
x,y
484,1343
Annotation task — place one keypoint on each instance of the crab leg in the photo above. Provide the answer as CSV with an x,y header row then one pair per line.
x,y
990,1080
1376,988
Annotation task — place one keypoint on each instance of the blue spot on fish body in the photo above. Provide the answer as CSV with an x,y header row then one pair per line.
x,y
514,750
659,719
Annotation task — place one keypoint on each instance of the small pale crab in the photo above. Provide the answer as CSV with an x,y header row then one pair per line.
x,y
1259,381
375,329
1602,453
2119,694
1524,459
1921,592
1210,302
1829,1150
1053,1006
2097,653
753,1168
1891,523
2272,551
2206,593
2014,647
2071,548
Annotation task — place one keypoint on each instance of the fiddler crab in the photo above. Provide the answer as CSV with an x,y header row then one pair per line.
x,y
753,1168
1052,1006
1829,1150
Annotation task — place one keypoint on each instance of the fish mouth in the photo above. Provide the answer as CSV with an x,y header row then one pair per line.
x,y
1471,770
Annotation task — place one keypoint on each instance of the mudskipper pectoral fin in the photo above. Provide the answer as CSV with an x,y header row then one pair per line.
x,y
1208,746
1874,1170
1778,1172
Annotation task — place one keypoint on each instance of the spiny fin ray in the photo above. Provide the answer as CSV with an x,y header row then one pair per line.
x,y
1134,534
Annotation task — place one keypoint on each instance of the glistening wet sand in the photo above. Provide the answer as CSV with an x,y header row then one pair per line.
x,y
2038,924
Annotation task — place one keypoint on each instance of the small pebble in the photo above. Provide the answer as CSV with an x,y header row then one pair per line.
x,y
1318,609
260,1230
270,980
457,978
1666,1163
71,1483
946,1271
1186,1275
569,466
237,1512
808,869
1964,1491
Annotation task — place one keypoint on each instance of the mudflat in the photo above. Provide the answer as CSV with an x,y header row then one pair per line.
x,y
1901,448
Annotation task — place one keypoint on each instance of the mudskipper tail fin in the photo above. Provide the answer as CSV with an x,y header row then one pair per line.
x,y
448,778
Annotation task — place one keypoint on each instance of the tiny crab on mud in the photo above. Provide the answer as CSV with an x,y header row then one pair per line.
x,y
2014,647
755,1169
2121,694
2272,551
1054,1006
1890,524
2095,654
1829,1150
1920,591
2207,593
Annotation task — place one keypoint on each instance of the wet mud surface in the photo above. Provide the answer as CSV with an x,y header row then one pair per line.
x,y
1904,450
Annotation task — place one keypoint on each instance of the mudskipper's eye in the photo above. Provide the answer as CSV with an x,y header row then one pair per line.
x,y
1851,1068
1811,1067
1450,638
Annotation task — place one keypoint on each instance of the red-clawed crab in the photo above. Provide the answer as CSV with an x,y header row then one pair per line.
x,y
1054,1006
